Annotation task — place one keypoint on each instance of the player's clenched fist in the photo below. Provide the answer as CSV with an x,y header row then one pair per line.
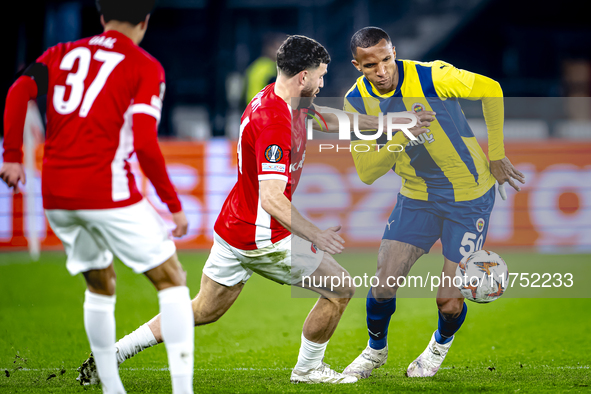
x,y
329,241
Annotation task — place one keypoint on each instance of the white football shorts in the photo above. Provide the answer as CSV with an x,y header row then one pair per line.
x,y
284,262
136,234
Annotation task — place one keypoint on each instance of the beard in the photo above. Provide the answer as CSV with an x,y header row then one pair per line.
x,y
307,97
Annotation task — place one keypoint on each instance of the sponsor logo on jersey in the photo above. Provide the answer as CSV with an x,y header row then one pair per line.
x,y
480,225
273,153
422,138
274,167
296,166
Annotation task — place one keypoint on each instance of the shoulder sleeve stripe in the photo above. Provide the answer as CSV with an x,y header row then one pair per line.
x,y
145,109
426,79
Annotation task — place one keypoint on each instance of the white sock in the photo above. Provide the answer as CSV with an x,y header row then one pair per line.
x,y
99,321
311,354
133,343
178,332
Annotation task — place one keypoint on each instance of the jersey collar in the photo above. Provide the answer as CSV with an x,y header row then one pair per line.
x,y
118,35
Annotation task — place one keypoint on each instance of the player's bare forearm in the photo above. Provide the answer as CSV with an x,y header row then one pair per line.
x,y
276,204
370,122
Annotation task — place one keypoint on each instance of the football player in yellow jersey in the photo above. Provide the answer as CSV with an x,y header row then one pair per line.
x,y
448,184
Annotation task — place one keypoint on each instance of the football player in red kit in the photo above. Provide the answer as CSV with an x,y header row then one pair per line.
x,y
259,230
104,101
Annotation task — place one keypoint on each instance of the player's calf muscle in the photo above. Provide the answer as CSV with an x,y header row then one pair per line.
x,y
213,300
450,308
101,281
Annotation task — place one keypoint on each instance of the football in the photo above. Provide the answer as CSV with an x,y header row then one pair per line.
x,y
482,276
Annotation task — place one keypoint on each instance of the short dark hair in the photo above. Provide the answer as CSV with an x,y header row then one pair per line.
x,y
299,53
132,11
368,37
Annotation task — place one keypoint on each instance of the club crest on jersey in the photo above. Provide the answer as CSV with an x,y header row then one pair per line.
x,y
418,107
480,225
314,248
273,153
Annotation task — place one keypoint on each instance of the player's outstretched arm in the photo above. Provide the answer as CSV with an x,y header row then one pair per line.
x,y
274,202
365,122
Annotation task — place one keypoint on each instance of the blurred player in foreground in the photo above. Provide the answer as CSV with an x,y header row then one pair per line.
x,y
253,232
448,183
104,101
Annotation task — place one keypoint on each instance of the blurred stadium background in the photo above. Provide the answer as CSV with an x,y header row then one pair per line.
x,y
216,53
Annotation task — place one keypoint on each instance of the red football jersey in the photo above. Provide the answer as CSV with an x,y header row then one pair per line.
x,y
267,149
95,86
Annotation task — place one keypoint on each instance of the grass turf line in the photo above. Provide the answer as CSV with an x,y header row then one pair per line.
x,y
524,345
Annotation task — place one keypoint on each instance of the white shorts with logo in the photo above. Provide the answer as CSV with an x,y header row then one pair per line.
x,y
136,234
284,262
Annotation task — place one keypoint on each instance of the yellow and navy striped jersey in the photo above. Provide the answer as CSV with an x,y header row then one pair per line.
x,y
444,164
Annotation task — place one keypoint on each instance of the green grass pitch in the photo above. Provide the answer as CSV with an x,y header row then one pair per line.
x,y
511,345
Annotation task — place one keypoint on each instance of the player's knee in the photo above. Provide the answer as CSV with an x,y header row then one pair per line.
x,y
347,289
450,308
385,293
346,294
